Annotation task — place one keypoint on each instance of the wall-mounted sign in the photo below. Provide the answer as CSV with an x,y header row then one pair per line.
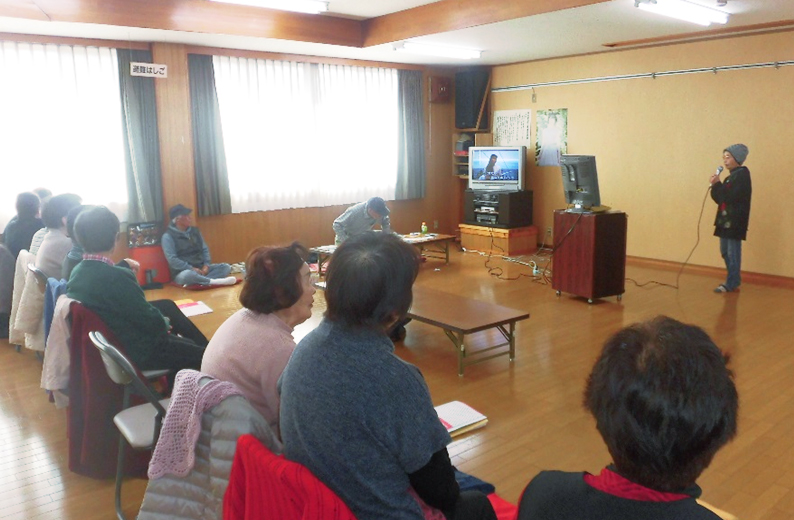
x,y
149,70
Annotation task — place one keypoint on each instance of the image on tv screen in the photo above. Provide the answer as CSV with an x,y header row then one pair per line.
x,y
495,165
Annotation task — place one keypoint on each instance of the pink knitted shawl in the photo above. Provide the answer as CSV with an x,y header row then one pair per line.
x,y
175,449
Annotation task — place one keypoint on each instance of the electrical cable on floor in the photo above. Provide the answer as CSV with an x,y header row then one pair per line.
x,y
678,276
496,271
538,275
545,273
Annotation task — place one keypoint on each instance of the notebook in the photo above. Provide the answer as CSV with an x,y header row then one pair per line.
x,y
190,308
459,418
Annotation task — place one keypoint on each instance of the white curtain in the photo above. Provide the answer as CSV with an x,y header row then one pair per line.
x,y
306,135
60,124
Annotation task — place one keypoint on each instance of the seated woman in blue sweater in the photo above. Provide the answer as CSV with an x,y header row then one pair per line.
x,y
664,402
359,417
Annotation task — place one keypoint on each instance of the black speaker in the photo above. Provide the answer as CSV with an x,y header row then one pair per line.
x,y
470,91
515,209
468,207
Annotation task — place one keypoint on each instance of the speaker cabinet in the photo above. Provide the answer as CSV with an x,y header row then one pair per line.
x,y
471,92
503,209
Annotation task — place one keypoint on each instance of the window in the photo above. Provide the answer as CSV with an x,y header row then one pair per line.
x,y
305,135
60,124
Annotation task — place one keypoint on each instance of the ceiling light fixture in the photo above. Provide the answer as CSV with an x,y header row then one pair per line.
x,y
683,10
438,50
298,6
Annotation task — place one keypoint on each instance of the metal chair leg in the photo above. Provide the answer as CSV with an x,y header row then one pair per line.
x,y
120,478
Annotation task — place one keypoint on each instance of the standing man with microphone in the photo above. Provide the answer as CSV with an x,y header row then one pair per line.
x,y
733,212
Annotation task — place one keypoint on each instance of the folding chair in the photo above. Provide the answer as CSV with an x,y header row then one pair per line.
x,y
41,278
139,426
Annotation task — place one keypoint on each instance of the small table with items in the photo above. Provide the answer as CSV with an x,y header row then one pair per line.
x,y
419,240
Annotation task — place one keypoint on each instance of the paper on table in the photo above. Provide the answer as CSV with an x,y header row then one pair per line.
x,y
190,308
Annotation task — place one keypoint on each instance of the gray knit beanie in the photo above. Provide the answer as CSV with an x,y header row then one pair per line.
x,y
739,152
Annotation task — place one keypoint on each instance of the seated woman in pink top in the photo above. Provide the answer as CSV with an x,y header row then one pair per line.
x,y
252,347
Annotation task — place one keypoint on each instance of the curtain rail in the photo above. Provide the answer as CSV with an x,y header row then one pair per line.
x,y
652,75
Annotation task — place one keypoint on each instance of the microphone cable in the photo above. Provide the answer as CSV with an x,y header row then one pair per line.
x,y
681,270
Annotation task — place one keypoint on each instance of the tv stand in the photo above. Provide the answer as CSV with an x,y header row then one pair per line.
x,y
502,209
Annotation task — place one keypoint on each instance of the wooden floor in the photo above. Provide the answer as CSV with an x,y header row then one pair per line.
x,y
534,405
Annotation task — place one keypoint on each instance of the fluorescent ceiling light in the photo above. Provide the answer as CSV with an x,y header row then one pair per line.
x,y
438,50
298,6
683,10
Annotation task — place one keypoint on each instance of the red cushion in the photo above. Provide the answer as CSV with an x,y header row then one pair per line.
x,y
504,509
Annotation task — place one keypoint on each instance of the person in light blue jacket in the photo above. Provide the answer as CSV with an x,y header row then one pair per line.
x,y
362,217
188,255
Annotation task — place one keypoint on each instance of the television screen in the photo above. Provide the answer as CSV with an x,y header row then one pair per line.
x,y
497,167
580,181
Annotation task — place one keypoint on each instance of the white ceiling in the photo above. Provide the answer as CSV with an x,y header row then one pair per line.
x,y
561,33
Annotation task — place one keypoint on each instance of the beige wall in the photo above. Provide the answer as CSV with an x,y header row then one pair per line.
x,y
657,141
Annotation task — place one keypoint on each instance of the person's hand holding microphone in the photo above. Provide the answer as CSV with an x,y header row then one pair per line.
x,y
716,177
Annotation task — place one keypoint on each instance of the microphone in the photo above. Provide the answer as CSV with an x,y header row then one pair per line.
x,y
719,171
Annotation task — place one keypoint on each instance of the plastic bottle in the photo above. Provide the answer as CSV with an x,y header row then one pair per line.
x,y
424,228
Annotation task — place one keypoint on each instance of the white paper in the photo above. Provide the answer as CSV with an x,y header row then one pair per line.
x,y
194,308
512,127
456,415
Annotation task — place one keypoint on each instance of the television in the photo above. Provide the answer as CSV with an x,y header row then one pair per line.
x,y
497,168
580,182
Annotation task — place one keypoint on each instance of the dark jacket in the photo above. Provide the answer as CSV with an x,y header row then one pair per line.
x,y
733,204
557,495
184,249
19,233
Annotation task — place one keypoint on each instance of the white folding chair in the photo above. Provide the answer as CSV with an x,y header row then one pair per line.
x,y
139,426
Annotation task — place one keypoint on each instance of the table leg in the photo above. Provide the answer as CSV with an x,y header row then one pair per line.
x,y
461,353
457,340
446,251
512,341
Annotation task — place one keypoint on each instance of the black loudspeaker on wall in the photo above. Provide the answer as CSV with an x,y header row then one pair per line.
x,y
470,91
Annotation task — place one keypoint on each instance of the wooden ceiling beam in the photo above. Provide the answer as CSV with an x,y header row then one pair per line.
x,y
453,15
192,16
203,16
719,32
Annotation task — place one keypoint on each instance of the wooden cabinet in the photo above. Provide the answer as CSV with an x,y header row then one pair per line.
x,y
589,254
460,158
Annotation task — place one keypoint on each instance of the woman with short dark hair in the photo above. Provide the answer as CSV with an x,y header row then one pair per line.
x,y
55,245
664,402
355,414
252,347
20,230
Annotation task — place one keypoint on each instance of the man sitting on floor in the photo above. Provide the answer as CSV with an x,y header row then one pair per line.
x,y
188,255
